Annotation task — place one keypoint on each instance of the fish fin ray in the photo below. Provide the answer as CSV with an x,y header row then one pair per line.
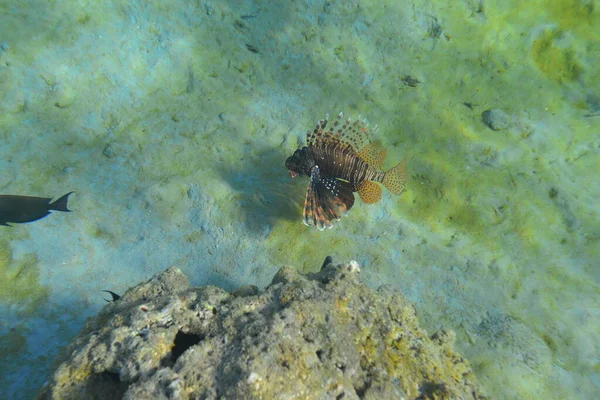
x,y
316,132
349,133
307,214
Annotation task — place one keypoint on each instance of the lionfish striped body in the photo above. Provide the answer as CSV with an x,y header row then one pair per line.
x,y
340,161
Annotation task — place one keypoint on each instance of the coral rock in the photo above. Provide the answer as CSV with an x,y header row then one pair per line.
x,y
323,335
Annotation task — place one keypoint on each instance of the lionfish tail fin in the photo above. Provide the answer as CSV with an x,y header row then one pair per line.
x,y
395,178
369,192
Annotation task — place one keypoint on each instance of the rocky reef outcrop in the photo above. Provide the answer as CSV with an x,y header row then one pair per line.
x,y
315,336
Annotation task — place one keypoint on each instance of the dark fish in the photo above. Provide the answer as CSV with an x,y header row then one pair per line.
x,y
340,161
20,209
328,260
114,296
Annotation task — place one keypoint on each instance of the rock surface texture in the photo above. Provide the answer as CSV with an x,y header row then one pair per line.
x,y
318,336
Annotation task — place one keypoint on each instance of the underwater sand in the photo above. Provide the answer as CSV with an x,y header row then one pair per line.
x,y
171,121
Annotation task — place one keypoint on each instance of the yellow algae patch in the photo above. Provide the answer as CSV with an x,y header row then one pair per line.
x,y
556,60
366,347
291,242
67,377
161,348
19,279
399,359
343,314
572,14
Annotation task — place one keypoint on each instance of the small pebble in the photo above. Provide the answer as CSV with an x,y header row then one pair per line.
x,y
108,151
63,94
495,119
253,377
4,46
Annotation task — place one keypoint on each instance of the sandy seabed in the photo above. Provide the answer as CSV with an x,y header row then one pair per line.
x,y
171,121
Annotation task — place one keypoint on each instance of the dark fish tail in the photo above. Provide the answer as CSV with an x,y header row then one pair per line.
x,y
114,296
60,204
328,260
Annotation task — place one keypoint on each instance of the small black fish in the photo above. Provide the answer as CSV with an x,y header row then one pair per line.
x,y
21,209
340,161
328,260
114,296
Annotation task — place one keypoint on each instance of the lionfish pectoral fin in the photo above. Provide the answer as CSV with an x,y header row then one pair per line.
x,y
369,192
313,213
373,155
308,214
322,219
326,200
395,178
344,200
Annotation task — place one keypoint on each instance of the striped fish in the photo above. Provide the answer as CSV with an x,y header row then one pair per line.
x,y
340,160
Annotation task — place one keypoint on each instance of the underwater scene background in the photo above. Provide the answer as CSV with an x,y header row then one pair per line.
x,y
172,121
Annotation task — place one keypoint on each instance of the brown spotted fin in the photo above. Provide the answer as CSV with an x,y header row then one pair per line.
x,y
353,134
393,179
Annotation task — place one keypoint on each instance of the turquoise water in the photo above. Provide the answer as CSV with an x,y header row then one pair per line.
x,y
172,121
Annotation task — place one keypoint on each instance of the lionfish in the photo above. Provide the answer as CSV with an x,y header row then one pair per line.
x,y
341,160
